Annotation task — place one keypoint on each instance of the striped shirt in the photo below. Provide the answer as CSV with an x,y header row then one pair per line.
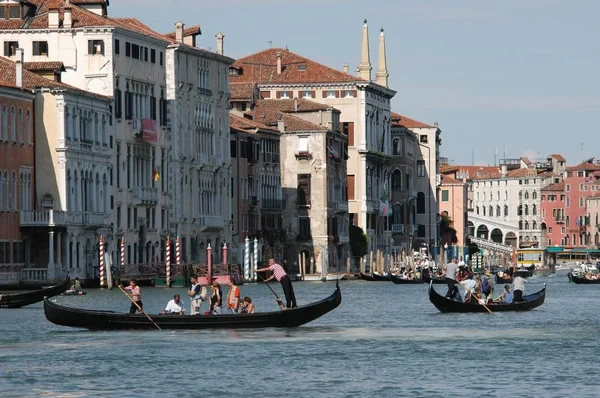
x,y
136,295
278,271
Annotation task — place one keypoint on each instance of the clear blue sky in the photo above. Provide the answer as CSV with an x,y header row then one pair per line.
x,y
520,74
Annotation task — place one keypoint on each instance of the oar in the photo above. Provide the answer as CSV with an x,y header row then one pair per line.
x,y
484,306
270,288
139,308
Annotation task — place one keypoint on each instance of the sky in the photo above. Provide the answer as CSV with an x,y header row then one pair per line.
x,y
514,76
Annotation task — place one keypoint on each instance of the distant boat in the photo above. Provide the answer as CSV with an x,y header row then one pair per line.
x,y
401,281
318,277
580,280
17,300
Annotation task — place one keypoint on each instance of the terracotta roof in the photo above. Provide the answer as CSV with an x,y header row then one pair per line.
x,y
406,122
78,2
261,68
32,81
191,31
526,160
522,172
587,165
559,186
293,123
546,174
243,91
447,180
248,125
471,172
44,66
558,157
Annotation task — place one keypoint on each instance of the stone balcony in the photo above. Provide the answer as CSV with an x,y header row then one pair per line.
x,y
397,228
211,223
54,218
145,195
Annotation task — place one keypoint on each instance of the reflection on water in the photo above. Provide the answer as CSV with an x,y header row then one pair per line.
x,y
384,340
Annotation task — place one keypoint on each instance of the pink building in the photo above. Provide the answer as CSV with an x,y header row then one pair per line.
x,y
453,201
580,181
553,213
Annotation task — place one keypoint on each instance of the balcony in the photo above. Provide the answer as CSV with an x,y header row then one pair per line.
x,y
303,156
397,228
272,204
145,195
559,219
53,218
211,223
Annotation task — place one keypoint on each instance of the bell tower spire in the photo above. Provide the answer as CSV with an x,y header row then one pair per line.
x,y
364,68
382,73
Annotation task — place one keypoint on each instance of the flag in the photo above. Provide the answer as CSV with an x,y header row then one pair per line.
x,y
155,175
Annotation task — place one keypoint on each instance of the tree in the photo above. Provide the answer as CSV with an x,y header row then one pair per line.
x,y
447,231
359,241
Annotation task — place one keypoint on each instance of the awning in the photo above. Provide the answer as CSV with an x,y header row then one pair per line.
x,y
554,249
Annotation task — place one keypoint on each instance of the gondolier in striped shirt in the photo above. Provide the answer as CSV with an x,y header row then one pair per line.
x,y
283,278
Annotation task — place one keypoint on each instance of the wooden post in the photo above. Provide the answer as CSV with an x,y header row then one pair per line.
x,y
371,262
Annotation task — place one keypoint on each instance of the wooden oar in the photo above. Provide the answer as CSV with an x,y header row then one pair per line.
x,y
271,289
468,291
139,308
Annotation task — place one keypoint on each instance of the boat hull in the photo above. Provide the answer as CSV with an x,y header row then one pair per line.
x,y
17,300
318,277
447,305
399,281
103,320
582,281
436,281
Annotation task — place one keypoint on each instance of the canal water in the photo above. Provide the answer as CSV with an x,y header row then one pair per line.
x,y
384,340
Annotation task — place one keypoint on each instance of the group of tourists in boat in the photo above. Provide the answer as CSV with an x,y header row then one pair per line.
x,y
75,289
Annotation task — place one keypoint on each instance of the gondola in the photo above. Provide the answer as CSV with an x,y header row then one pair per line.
x,y
17,300
580,280
436,280
500,280
381,278
107,320
366,277
400,281
444,304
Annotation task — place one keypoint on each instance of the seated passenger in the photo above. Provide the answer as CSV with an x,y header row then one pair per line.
x,y
174,307
506,297
246,307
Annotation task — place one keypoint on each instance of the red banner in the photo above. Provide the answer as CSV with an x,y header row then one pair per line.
x,y
149,130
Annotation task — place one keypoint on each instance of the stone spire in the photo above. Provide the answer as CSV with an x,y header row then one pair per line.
x,y
364,68
382,73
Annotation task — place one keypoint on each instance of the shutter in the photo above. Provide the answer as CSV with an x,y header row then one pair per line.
x,y
118,104
278,94
350,133
324,93
313,94
337,93
6,50
90,47
355,93
350,187
36,48
265,94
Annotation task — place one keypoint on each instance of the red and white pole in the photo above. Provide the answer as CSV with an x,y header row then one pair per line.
x,y
224,253
209,263
122,254
177,252
168,261
101,254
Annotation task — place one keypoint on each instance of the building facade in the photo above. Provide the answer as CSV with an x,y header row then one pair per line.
x,y
453,204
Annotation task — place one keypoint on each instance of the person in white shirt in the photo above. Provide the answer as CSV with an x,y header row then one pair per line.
x,y
174,307
518,287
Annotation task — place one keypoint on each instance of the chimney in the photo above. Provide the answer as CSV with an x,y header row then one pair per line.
x,y
53,18
382,73
67,18
435,125
281,126
503,170
364,68
279,62
19,68
179,32
346,69
220,37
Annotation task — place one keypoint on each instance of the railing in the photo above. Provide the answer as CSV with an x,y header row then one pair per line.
x,y
272,204
398,228
488,244
211,222
145,194
45,218
34,274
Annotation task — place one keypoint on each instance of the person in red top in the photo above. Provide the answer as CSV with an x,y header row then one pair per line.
x,y
283,278
233,298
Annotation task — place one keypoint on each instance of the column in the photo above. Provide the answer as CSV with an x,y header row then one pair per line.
x,y
51,271
59,249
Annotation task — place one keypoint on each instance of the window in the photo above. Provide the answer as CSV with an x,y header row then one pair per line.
x,y
349,93
308,94
445,195
423,139
135,51
304,228
420,203
397,147
303,144
348,130
421,168
331,94
351,188
117,46
505,211
161,58
146,54
397,180
127,49
15,12
10,48
153,56
303,190
96,47
40,48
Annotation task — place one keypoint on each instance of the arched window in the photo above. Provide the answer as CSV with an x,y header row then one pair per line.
x,y
29,139
67,124
3,125
397,180
526,210
13,125
6,189
567,222
498,209
526,195
420,203
14,191
534,195
534,210
491,211
397,147
483,208
520,227
477,210
534,225
520,195
505,211
1,192
505,195
526,225
520,210
20,127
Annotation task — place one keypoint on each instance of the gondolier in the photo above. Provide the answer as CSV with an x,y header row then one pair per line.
x,y
283,278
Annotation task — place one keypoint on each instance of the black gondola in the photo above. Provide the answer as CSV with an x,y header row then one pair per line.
x,y
380,277
500,280
444,304
435,279
366,277
107,320
400,281
17,300
580,280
